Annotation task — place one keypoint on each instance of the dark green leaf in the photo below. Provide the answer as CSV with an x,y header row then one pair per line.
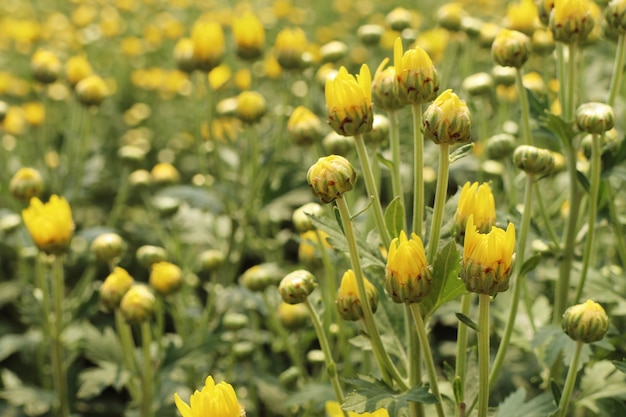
x,y
446,284
582,179
562,129
34,401
556,391
467,321
394,217
620,366
530,264
516,405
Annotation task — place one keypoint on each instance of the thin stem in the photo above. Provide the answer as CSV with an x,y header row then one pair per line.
x,y
82,154
615,222
386,365
372,191
331,367
440,201
147,385
546,218
560,54
394,145
120,198
46,321
329,287
618,69
428,356
418,174
568,388
201,89
461,347
58,352
594,188
525,108
568,112
483,354
415,360
128,353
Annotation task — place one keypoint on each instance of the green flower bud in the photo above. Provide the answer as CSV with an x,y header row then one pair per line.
x,y
500,146
510,48
304,127
571,21
450,15
586,322
138,304
301,219
259,277
478,84
379,133
26,184
336,144
297,286
114,287
471,26
330,177
289,377
399,19
417,77
504,75
211,260
235,321
447,120
348,301
243,350
533,160
166,278
293,316
108,247
333,51
384,89
609,143
615,15
370,34
140,178
595,117
165,205
148,255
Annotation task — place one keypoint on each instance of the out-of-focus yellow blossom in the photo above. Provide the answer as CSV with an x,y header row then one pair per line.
x,y
176,82
126,5
132,46
251,106
243,79
487,34
14,121
282,8
165,277
26,183
333,409
407,275
23,32
84,14
249,35
293,316
49,224
170,26
572,20
116,284
289,47
522,16
487,258
304,127
224,129
34,113
476,200
138,304
534,82
165,173
434,42
111,23
208,44
349,102
271,67
92,90
153,36
544,9
77,67
308,250
215,400
510,48
183,55
219,77
348,301
506,93
45,65
450,15
12,85
417,77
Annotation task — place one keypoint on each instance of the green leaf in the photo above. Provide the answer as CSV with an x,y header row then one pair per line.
x,y
516,405
556,391
394,217
446,284
461,152
467,321
13,343
103,347
601,381
34,401
620,366
95,380
612,159
582,179
562,129
529,264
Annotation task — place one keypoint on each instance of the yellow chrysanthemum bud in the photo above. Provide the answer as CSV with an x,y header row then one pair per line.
x,y
295,287
522,16
301,219
108,247
336,144
542,41
476,200
304,127
500,146
417,77
385,88
533,160
586,322
91,90
77,68
330,177
26,183
208,44
408,277
166,278
293,316
138,304
349,102
140,178
165,173
447,120
333,51
251,106
544,10
348,301
50,225
211,260
450,15
487,258
183,55
216,400
249,35
615,15
147,255
259,277
116,284
370,34
510,48
46,66
289,47
595,117
571,21
398,19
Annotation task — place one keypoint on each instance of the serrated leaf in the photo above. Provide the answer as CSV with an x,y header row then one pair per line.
x,y
446,285
562,129
12,343
394,217
516,405
34,401
95,380
601,381
467,321
103,347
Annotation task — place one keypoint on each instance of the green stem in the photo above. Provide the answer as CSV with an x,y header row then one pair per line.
x,y
386,365
120,198
570,380
428,356
46,321
560,54
418,174
329,286
82,155
483,354
461,347
618,69
594,181
331,367
415,360
525,108
615,221
58,352
201,89
440,201
394,145
372,191
571,83
546,218
147,385
128,353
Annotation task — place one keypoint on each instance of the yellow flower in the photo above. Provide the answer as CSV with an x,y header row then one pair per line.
x,y
50,224
333,409
349,102
348,301
308,250
304,127
249,35
289,46
522,16
45,65
586,322
407,275
510,48
219,77
214,400
330,177
487,258
34,113
417,77
571,20
165,277
91,90
114,287
77,68
208,44
251,106
183,55
476,200
138,303
447,120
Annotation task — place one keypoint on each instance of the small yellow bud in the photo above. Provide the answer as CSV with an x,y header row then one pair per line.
x,y
542,41
450,15
304,127
295,287
293,316
571,21
77,68
46,66
138,303
91,90
522,16
417,77
249,35
26,184
370,34
349,102
447,120
586,322
289,48
148,255
50,224
595,117
183,55
533,160
477,201
165,173
348,301
208,44
399,19
510,48
251,106
301,219
330,177
166,278
116,284
211,260
333,51
408,277
140,178
108,247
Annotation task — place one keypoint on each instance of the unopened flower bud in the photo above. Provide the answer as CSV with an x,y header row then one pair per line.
x,y
138,304
289,48
450,15
304,127
26,184
533,160
417,77
447,120
510,48
336,144
542,41
408,278
148,255
114,287
379,133
293,316
399,19
10,223
46,66
251,106
500,146
385,90
586,322
301,219
609,143
348,301
91,90
165,173
208,44
295,287
77,68
615,15
235,321
131,153
183,55
289,377
349,102
166,205
595,118
544,9
333,51
504,75
330,177
211,260
259,277
571,21
108,247
249,35
488,33
309,252
166,278
140,178
479,84
370,34
243,350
